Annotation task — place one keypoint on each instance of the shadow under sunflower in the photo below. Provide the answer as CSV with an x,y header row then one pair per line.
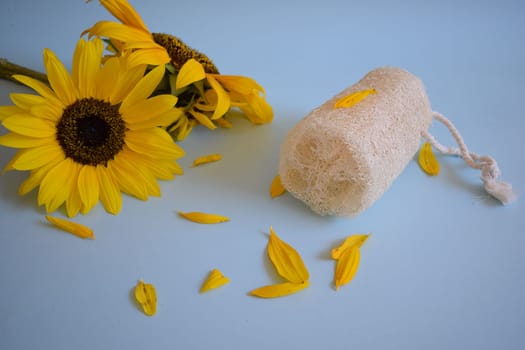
x,y
205,95
93,134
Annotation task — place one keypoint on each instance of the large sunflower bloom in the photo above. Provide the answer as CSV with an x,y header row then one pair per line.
x,y
205,96
93,134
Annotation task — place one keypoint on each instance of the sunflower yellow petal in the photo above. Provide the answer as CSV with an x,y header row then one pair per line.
x,y
26,101
207,159
154,56
204,218
127,80
223,123
33,158
240,84
88,187
346,266
73,202
141,173
124,12
43,89
160,168
29,126
356,240
47,111
71,227
107,79
7,111
59,79
162,120
124,175
276,188
149,109
427,160
215,280
20,141
143,89
154,142
146,296
203,119
189,73
258,111
56,185
109,192
35,178
223,99
353,98
118,31
279,290
286,260
86,65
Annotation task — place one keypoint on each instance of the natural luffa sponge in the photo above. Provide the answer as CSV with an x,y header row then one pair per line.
x,y
340,160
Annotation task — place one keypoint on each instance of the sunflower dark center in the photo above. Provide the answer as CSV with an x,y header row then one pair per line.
x,y
179,52
91,131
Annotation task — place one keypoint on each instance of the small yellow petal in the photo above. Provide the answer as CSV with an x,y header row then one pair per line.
x,y
223,123
427,160
286,260
223,99
279,290
215,280
71,227
353,99
146,296
276,188
347,265
189,73
204,218
206,159
202,119
356,240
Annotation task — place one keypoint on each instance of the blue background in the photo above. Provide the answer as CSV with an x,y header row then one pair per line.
x,y
443,269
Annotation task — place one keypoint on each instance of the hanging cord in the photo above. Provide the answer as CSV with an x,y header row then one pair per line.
x,y
488,165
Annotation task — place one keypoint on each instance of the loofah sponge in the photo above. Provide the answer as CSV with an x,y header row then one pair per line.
x,y
339,161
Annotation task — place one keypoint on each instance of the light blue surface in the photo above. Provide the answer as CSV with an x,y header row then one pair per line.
x,y
443,270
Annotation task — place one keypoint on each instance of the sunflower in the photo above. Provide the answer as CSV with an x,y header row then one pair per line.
x,y
204,94
93,134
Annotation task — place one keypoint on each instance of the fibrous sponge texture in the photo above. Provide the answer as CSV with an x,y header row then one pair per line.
x,y
339,161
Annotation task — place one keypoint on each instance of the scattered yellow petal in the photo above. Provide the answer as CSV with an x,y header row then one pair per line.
x,y
356,240
427,160
347,265
286,260
279,290
71,227
353,98
146,296
276,188
206,159
215,280
204,218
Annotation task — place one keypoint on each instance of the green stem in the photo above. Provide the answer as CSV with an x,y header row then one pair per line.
x,y
7,69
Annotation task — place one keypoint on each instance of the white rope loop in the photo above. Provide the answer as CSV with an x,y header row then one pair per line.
x,y
490,171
